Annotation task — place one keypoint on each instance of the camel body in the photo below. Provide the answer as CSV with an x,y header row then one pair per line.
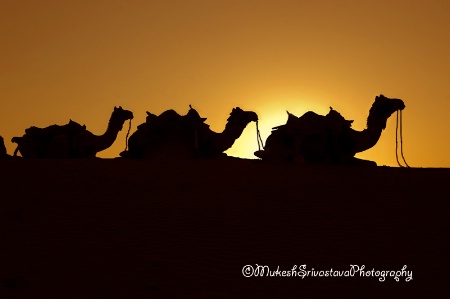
x,y
71,140
314,138
185,136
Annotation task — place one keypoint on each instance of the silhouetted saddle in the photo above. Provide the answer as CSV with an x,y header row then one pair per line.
x,y
171,122
45,134
313,123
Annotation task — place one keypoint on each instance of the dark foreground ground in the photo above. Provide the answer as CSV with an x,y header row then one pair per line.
x,y
145,229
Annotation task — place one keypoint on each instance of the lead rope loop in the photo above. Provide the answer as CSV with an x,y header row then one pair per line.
x,y
401,139
258,138
128,133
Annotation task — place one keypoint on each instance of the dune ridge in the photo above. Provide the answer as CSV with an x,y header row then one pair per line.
x,y
154,229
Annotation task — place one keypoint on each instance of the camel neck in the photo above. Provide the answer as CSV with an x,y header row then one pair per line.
x,y
232,132
107,139
221,142
370,136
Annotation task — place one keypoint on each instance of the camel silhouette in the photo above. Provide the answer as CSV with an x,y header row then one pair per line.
x,y
71,140
175,136
314,138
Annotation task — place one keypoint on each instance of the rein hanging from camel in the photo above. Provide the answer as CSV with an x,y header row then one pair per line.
x,y
401,139
128,133
258,138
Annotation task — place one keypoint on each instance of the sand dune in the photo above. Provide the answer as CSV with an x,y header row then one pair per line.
x,y
154,229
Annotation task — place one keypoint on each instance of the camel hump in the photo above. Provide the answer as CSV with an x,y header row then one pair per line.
x,y
308,121
169,113
169,116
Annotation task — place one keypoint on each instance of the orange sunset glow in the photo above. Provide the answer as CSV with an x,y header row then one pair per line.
x,y
62,60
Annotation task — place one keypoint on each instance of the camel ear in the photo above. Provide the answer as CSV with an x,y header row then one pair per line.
x,y
120,107
115,108
148,113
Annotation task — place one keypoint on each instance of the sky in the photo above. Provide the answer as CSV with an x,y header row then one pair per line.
x,y
65,59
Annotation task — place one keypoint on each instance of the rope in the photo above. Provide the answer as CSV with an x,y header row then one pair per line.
x,y
258,138
128,133
401,139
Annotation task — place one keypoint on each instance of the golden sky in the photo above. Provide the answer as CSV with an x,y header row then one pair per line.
x,y
63,59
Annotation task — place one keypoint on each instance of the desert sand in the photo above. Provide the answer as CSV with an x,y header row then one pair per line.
x,y
116,228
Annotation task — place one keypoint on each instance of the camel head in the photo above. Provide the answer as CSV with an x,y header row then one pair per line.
x,y
388,103
240,116
119,116
122,114
383,108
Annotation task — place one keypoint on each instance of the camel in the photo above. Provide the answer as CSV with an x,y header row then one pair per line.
x,y
71,140
175,136
314,138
